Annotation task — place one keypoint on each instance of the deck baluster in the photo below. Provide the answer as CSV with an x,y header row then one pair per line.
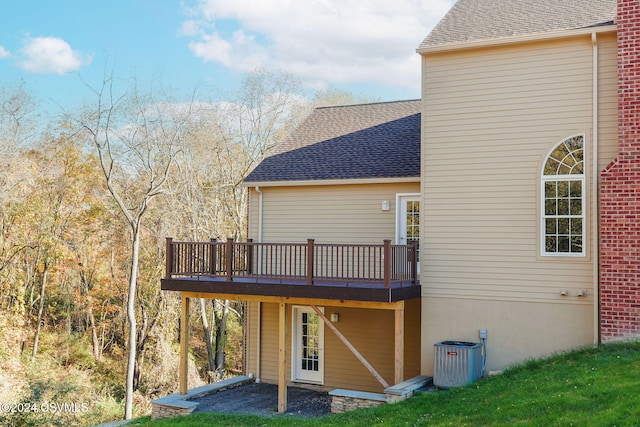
x,y
212,256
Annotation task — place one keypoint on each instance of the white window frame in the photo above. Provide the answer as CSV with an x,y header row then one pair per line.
x,y
563,178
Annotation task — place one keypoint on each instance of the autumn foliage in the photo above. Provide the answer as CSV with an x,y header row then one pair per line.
x,y
65,248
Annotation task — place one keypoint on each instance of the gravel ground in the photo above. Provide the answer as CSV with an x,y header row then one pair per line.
x,y
262,399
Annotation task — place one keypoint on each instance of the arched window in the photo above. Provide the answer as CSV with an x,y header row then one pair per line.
x,y
563,194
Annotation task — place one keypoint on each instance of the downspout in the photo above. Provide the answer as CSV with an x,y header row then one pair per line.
x,y
595,202
259,313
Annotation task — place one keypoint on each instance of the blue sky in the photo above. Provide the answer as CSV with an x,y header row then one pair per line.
x,y
57,48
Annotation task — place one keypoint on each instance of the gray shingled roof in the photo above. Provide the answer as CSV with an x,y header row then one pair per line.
x,y
473,20
380,140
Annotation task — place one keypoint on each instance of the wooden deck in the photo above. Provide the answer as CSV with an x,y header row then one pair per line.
x,y
382,273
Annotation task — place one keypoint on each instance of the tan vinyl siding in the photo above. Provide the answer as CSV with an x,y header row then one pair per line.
x,y
509,107
370,331
250,337
329,214
490,116
269,343
412,339
516,331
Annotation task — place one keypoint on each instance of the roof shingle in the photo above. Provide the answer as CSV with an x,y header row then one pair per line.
x,y
380,140
474,20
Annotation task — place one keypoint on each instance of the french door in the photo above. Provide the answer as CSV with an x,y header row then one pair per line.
x,y
308,346
408,220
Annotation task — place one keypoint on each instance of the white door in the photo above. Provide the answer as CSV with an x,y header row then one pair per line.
x,y
308,346
408,219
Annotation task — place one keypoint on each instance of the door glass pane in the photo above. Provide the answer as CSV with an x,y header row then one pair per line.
x,y
413,221
412,231
310,342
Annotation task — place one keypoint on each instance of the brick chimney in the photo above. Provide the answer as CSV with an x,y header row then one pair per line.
x,y
620,193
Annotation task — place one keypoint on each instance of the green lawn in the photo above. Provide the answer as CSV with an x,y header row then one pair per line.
x,y
588,387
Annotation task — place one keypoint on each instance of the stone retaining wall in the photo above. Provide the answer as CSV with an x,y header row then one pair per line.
x,y
341,404
348,400
166,411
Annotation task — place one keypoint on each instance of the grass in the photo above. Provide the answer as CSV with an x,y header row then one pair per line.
x,y
588,387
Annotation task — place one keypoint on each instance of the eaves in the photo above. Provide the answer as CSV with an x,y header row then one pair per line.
x,y
551,35
359,181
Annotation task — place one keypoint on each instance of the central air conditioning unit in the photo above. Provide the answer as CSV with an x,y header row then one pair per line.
x,y
457,363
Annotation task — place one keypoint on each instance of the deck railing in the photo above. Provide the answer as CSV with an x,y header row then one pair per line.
x,y
308,262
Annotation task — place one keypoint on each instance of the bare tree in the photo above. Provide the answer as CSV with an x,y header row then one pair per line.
x,y
137,141
17,118
226,143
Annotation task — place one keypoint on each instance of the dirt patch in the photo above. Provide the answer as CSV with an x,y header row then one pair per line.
x,y
262,399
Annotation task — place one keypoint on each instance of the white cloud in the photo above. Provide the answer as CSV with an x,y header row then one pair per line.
x,y
4,53
51,55
334,41
214,48
190,28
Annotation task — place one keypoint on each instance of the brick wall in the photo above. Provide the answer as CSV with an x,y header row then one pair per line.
x,y
620,193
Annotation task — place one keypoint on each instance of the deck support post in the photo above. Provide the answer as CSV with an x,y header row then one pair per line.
x,y
184,345
229,259
282,361
414,261
249,257
310,261
386,263
169,255
399,346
